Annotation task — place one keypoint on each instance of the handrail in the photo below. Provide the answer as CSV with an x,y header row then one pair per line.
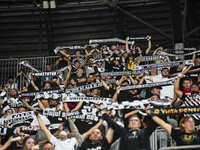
x,y
180,147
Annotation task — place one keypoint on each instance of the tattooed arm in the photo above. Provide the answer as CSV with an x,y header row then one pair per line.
x,y
74,129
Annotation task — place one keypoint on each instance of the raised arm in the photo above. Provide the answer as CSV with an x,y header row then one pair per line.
x,y
33,84
178,92
149,46
166,126
74,129
105,84
67,77
27,105
44,128
86,58
87,134
7,144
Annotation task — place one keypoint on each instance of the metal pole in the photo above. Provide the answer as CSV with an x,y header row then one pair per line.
x,y
144,23
40,34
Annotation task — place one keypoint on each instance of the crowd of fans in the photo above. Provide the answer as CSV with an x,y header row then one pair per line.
x,y
133,126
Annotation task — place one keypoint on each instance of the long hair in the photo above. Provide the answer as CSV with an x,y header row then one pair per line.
x,y
24,147
183,120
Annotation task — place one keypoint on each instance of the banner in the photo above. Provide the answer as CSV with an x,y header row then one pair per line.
x,y
106,59
16,117
121,73
86,114
16,105
173,111
28,128
140,38
122,47
141,86
164,65
151,58
88,99
190,71
121,51
182,49
32,94
73,47
184,54
110,40
136,104
88,87
29,66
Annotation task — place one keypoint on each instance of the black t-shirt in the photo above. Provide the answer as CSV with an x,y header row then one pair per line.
x,y
103,145
183,138
133,141
13,146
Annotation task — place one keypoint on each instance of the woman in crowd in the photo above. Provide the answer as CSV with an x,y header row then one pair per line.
x,y
29,144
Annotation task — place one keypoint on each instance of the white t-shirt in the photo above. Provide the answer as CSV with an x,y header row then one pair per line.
x,y
166,90
69,144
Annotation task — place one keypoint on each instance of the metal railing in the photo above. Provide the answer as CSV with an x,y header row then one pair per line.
x,y
181,147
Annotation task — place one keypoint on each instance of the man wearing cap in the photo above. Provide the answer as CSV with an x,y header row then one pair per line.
x,y
64,143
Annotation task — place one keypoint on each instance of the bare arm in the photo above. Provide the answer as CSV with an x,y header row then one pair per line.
x,y
78,106
149,47
33,84
131,113
85,60
7,144
87,134
66,107
27,105
178,92
41,105
114,98
74,129
67,78
44,128
166,126
105,84
109,135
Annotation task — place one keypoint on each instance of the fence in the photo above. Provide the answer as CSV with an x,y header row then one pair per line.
x,y
11,67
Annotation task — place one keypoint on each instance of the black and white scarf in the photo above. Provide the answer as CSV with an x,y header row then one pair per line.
x,y
164,65
184,54
73,47
136,104
16,117
97,100
173,111
151,58
88,87
110,40
141,86
139,38
121,51
121,73
29,66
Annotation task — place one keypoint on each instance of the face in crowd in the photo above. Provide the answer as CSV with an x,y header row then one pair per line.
x,y
96,136
187,124
165,72
187,84
134,123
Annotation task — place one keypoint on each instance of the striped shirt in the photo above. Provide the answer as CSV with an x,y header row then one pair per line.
x,y
192,101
